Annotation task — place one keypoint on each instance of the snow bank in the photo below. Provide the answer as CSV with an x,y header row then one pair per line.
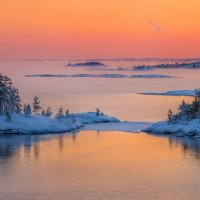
x,y
172,93
42,124
91,117
191,128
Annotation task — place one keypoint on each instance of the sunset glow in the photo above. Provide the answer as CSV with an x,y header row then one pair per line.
x,y
99,28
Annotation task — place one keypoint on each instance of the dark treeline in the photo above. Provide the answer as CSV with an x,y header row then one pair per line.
x,y
91,63
10,102
191,65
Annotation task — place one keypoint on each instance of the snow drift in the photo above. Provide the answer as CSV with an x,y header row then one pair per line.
x,y
191,128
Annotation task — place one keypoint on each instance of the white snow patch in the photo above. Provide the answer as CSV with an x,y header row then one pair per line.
x,y
43,124
191,128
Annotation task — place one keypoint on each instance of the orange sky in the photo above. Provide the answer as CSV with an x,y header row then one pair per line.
x,y
99,28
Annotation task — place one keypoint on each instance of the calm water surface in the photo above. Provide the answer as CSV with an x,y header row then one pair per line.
x,y
99,165
117,97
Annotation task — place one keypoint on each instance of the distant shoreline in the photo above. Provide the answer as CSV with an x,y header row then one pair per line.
x,y
190,93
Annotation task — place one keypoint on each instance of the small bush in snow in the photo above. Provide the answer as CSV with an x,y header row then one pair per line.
x,y
48,112
67,112
98,112
60,114
43,113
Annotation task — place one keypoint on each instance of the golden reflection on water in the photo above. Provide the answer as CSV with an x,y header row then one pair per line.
x,y
99,165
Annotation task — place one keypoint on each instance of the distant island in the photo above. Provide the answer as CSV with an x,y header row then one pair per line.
x,y
176,65
186,122
149,76
191,93
86,64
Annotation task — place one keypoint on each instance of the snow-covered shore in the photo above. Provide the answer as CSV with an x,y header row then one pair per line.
x,y
43,124
172,93
191,128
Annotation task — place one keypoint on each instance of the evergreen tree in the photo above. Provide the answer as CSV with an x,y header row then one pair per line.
x,y
27,110
17,107
9,97
67,112
43,113
197,94
8,114
98,112
60,114
24,108
36,105
182,106
197,101
195,107
182,110
187,111
49,112
170,116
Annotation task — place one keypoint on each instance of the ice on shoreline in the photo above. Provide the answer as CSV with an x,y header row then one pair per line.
x,y
43,124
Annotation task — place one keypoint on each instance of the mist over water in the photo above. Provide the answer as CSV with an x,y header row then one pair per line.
x,y
113,96
99,165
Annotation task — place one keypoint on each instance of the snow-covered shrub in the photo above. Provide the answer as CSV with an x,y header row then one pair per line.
x,y
67,112
48,112
98,112
60,114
